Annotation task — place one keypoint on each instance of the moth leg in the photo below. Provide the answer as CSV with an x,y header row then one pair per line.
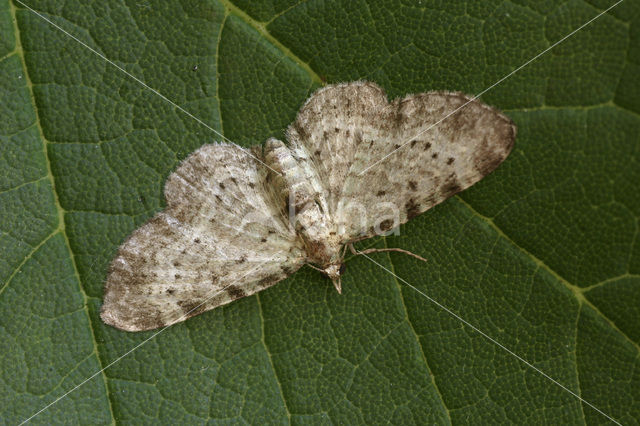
x,y
375,250
352,249
344,250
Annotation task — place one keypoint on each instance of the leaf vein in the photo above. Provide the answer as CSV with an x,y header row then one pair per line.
x,y
273,368
575,290
413,331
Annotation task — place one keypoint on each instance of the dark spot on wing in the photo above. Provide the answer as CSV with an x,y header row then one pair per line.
x,y
176,263
287,270
380,193
251,184
267,281
263,240
196,240
242,259
177,276
170,291
413,185
434,155
450,160
287,206
427,146
182,215
414,142
236,292
191,307
218,198
233,180
149,321
412,207
317,152
301,130
385,225
337,130
299,206
451,186
221,185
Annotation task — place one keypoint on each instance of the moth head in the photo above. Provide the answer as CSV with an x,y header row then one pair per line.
x,y
335,271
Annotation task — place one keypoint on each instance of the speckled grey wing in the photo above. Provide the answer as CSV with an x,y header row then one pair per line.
x,y
346,128
222,236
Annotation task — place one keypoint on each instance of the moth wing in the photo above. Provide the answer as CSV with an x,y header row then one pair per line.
x,y
222,236
346,128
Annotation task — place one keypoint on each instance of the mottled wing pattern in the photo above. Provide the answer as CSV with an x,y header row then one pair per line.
x,y
222,236
330,126
348,127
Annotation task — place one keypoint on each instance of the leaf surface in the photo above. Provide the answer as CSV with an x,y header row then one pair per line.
x,y
543,255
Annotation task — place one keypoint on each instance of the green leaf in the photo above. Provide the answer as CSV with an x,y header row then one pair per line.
x,y
543,255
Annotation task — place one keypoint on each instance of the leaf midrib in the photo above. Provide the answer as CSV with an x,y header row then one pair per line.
x,y
60,212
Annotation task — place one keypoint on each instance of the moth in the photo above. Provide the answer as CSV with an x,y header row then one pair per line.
x,y
239,220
